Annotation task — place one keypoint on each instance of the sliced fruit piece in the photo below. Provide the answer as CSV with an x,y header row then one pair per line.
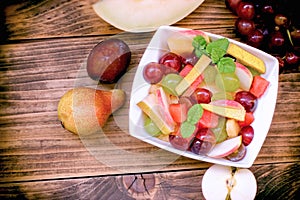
x,y
149,106
246,57
245,187
229,112
227,103
226,147
163,103
230,183
249,118
181,42
142,15
208,120
259,86
178,112
195,72
232,128
184,72
244,75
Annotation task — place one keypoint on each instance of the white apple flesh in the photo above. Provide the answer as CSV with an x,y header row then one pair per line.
x,y
220,181
244,75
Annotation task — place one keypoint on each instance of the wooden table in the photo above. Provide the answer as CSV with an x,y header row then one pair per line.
x,y
44,45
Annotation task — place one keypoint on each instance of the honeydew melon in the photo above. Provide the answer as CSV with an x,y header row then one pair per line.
x,y
144,15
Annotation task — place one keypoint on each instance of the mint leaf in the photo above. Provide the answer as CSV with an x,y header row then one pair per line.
x,y
194,113
187,129
199,43
226,65
217,49
221,43
217,54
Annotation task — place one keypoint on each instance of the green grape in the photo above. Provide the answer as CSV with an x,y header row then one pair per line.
x,y
220,130
170,81
150,127
209,74
228,82
222,95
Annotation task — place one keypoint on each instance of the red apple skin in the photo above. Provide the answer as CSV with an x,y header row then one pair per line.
x,y
235,142
196,32
227,103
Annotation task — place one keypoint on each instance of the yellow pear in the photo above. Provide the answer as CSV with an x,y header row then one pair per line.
x,y
85,110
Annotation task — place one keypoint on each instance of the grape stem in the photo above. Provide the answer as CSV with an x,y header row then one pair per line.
x,y
289,36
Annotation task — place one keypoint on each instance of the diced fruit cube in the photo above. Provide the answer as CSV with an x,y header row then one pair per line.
x,y
208,120
232,128
178,112
249,118
259,86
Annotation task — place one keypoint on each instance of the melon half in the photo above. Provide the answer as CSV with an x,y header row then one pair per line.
x,y
144,15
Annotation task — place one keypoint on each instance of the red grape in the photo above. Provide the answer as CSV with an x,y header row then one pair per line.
x,y
247,133
291,58
238,154
245,10
281,20
244,26
246,99
172,60
232,4
203,142
255,38
178,142
271,26
202,95
153,72
277,42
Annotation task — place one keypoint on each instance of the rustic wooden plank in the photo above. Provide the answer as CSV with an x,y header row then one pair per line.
x,y
48,19
34,146
274,181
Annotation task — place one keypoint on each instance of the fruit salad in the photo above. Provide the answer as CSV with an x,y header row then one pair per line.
x,y
203,95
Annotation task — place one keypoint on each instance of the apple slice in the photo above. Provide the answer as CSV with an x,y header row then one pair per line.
x,y
150,107
144,15
244,75
181,42
226,147
163,106
219,182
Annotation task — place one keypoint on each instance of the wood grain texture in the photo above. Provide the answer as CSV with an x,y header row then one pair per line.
x,y
44,46
31,87
274,181
69,18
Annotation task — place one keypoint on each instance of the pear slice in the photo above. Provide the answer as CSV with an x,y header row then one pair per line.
x,y
144,15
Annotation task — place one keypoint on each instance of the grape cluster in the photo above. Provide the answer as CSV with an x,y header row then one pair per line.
x,y
270,25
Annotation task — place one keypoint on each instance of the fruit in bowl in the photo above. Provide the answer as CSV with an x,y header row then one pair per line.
x,y
202,98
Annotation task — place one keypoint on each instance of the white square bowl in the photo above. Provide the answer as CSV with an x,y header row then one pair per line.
x,y
263,113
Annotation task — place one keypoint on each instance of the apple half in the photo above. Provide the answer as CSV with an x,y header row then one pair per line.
x,y
144,15
220,181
